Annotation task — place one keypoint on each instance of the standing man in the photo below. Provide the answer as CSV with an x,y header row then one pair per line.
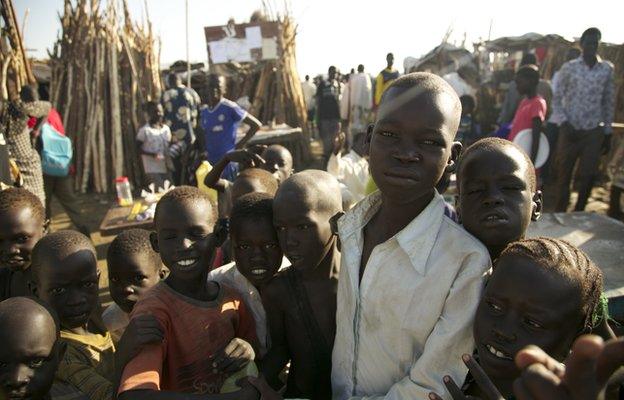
x,y
181,105
385,78
309,92
356,104
583,102
328,95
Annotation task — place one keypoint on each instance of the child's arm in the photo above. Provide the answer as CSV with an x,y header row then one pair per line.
x,y
254,125
213,179
278,355
450,339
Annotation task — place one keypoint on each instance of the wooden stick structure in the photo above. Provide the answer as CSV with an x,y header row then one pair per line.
x,y
104,68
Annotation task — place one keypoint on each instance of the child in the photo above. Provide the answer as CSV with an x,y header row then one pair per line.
x,y
30,351
543,292
498,197
257,256
251,179
133,267
531,111
219,120
65,276
153,142
301,301
22,224
411,278
278,161
208,333
469,130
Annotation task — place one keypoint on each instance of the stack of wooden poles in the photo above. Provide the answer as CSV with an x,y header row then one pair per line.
x,y
15,69
104,68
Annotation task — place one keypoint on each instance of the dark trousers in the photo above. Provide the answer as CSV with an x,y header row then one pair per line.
x,y
573,145
62,188
328,129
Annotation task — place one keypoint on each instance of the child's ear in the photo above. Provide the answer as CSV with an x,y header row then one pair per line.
x,y
536,211
451,164
154,241
46,226
163,273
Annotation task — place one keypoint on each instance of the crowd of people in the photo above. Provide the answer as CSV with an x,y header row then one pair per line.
x,y
355,282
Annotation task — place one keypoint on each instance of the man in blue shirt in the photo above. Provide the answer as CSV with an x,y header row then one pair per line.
x,y
219,120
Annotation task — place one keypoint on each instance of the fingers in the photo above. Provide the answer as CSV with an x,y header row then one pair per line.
x,y
453,389
233,357
534,355
256,160
581,365
539,383
485,383
610,359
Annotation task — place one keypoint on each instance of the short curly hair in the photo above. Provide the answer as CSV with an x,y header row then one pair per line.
x,y
492,144
59,245
12,199
252,206
568,261
185,194
132,241
264,177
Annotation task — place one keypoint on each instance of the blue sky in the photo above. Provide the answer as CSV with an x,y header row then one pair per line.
x,y
349,32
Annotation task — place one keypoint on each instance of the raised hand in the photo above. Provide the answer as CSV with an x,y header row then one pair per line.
x,y
245,157
236,355
489,391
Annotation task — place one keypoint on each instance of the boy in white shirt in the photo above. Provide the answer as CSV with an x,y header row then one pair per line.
x,y
351,169
258,257
410,278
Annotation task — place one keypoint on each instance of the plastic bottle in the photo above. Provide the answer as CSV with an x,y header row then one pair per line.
x,y
124,194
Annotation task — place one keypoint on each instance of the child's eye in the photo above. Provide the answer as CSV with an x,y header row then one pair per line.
x,y
22,239
431,143
387,134
57,291
243,246
303,226
270,246
533,323
89,285
114,280
494,306
36,363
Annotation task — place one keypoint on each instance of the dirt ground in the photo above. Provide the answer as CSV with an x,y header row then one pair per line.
x,y
94,207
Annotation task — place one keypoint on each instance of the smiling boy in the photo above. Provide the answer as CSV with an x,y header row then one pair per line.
x,y
257,256
410,278
208,332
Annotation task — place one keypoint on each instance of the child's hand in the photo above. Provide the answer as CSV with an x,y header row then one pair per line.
x,y
583,377
483,381
245,157
266,391
339,141
141,331
236,355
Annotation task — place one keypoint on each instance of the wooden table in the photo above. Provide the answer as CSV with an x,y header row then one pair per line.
x,y
116,221
291,138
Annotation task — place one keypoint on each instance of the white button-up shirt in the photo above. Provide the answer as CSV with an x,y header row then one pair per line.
x,y
229,275
409,320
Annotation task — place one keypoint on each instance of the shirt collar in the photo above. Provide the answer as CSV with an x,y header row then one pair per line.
x,y
416,239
